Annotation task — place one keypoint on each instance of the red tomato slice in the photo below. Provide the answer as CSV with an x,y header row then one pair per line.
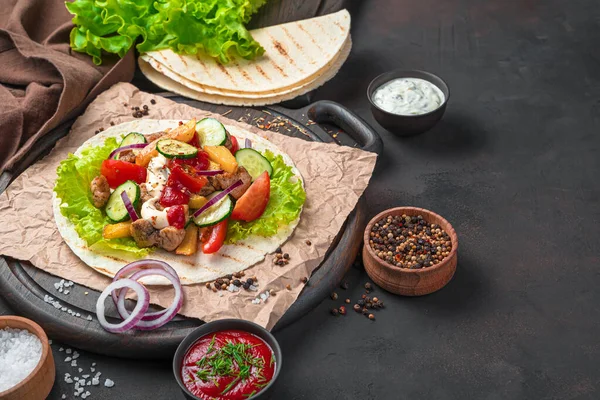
x,y
174,194
187,176
216,238
234,145
253,203
176,216
118,172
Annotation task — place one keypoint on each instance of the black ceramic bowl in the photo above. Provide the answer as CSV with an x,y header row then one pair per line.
x,y
221,325
407,125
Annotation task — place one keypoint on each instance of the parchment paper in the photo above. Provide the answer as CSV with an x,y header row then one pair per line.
x,y
335,177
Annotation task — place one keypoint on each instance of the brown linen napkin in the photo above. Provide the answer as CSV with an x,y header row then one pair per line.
x,y
42,82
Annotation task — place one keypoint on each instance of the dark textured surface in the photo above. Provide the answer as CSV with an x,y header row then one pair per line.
x,y
513,166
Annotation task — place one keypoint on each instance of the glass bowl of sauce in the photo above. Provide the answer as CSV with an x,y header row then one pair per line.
x,y
408,102
227,360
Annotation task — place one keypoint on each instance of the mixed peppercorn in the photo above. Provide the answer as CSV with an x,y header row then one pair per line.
x,y
365,305
409,241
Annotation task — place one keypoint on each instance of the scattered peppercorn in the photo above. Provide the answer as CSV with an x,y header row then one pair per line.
x,y
214,289
207,285
288,287
347,301
236,282
152,101
342,310
112,123
286,256
375,300
368,286
371,317
409,241
308,242
272,292
356,308
250,281
278,250
344,285
223,286
334,311
304,279
334,296
217,285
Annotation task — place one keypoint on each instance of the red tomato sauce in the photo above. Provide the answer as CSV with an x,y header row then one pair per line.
x,y
210,372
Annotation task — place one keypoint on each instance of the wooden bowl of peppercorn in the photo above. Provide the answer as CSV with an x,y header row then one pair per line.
x,y
421,251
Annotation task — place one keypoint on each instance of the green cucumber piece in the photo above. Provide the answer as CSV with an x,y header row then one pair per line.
x,y
211,132
172,148
115,208
132,138
254,162
215,213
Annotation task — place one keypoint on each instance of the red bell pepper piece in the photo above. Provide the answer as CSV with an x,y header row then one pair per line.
x,y
176,216
174,193
216,238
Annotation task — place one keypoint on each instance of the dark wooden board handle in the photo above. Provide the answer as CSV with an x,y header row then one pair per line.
x,y
325,111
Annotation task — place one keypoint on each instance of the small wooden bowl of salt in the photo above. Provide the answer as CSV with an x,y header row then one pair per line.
x,y
28,371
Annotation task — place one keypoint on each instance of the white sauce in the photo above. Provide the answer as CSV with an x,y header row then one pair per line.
x,y
156,179
408,96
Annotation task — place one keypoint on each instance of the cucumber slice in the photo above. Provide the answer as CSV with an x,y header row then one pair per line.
x,y
172,148
211,132
133,138
216,213
115,208
254,162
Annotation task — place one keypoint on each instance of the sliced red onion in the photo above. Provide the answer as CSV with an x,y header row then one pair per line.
x,y
159,318
210,173
128,147
129,207
136,266
218,198
248,143
136,315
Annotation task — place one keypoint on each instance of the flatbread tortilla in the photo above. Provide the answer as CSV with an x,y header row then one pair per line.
x,y
200,267
172,82
296,53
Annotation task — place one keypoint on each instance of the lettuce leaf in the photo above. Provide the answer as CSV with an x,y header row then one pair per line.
x,y
213,27
75,174
285,204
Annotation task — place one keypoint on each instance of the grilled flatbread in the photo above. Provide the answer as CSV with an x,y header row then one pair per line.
x,y
296,53
173,82
200,267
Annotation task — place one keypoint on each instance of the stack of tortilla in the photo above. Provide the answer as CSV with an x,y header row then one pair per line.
x,y
299,57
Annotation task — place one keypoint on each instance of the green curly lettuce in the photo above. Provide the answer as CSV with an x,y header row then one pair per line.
x,y
285,204
212,27
75,174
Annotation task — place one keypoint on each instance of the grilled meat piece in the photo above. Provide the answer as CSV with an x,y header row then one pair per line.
x,y
144,195
206,190
226,179
170,238
100,191
156,135
144,233
127,156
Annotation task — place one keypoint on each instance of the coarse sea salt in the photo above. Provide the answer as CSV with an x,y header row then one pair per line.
x,y
20,352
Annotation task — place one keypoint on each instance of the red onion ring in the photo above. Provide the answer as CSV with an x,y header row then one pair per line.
x,y
217,198
167,314
140,265
248,143
136,315
125,148
129,207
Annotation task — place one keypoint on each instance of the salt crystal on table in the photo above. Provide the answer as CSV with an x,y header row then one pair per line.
x,y
67,359
20,351
61,349
69,351
85,376
74,363
93,364
64,396
95,381
92,369
108,383
80,370
66,292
